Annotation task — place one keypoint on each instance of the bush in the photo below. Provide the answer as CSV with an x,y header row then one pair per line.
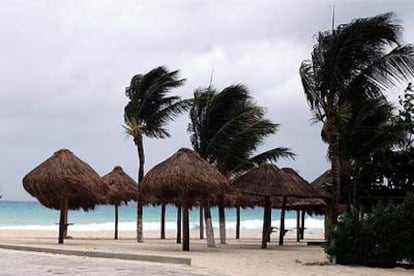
x,y
380,238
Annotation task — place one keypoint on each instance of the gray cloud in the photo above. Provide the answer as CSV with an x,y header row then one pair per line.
x,y
65,65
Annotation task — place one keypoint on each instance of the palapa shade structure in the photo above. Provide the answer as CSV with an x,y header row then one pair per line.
x,y
313,204
322,184
122,189
65,182
269,181
184,177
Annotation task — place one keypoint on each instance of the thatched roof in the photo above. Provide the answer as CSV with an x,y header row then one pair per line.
x,y
310,190
269,180
309,205
183,175
322,184
122,188
65,176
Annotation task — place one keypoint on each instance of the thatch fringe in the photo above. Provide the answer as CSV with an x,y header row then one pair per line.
x,y
122,188
269,180
183,175
64,176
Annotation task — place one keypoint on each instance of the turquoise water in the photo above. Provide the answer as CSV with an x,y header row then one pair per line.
x,y
32,215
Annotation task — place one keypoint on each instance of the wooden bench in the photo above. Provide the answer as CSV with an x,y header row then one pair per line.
x,y
276,229
66,230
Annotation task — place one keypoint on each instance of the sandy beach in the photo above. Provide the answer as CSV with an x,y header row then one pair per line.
x,y
237,257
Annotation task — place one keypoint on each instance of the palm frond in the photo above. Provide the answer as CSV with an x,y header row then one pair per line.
x,y
150,104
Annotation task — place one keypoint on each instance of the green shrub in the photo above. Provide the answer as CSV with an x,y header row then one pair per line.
x,y
381,238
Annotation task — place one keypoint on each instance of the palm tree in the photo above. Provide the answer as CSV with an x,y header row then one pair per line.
x,y
226,129
147,113
352,64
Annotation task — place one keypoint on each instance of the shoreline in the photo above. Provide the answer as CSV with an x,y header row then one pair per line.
x,y
237,257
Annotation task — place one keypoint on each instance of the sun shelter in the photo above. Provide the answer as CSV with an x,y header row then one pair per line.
x,y
313,203
186,178
323,184
269,181
122,189
64,182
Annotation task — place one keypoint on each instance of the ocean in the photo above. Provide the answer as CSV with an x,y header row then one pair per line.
x,y
32,215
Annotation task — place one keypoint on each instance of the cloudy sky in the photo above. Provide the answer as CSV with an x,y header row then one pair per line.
x,y
64,66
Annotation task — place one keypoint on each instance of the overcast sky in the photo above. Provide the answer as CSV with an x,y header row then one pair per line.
x,y
64,66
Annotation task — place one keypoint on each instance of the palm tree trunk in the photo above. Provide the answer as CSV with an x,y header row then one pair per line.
x,y
222,219
116,222
201,223
178,224
282,221
336,177
141,157
209,225
186,227
333,151
265,233
163,221
238,222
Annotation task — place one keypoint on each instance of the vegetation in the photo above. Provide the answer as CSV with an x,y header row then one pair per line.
x,y
147,113
226,129
350,70
382,238
370,142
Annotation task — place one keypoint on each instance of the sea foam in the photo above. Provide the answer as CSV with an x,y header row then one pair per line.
x,y
249,225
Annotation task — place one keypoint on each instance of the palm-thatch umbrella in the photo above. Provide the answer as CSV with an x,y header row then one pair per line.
x,y
63,182
323,183
122,188
299,203
269,181
184,177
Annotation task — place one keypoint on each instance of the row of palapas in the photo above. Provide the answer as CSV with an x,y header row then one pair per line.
x,y
64,182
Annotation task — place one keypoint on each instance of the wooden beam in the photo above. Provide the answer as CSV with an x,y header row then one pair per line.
x,y
186,227
116,222
162,234
282,221
265,233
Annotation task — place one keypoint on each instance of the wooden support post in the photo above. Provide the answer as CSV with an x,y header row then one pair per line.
x,y
178,224
186,227
62,219
65,230
163,221
222,222
238,222
265,233
116,222
269,222
302,230
201,219
298,227
282,221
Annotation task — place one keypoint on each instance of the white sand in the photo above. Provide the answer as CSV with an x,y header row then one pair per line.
x,y
238,257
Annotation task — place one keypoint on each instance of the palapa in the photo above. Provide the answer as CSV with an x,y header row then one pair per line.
x,y
63,182
323,184
269,181
122,189
184,177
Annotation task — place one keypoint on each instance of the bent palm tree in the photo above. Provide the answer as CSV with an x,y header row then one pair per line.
x,y
147,113
226,129
352,64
